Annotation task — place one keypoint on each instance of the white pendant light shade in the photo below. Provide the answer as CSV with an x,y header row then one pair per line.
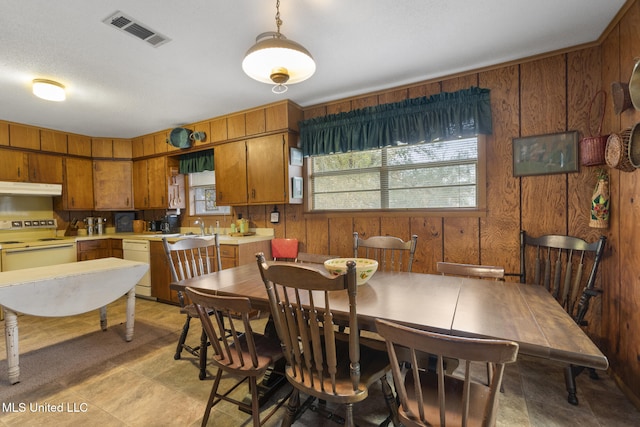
x,y
49,90
276,59
275,54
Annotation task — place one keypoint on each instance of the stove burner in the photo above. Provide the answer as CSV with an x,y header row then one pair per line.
x,y
8,242
48,239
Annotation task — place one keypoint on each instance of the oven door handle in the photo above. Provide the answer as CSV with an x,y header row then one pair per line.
x,y
38,248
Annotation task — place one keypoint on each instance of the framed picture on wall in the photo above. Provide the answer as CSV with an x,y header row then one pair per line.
x,y
296,187
546,154
295,156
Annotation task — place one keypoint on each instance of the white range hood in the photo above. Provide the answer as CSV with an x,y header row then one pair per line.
x,y
29,189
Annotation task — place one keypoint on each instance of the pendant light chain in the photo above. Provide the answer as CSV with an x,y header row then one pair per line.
x,y
278,20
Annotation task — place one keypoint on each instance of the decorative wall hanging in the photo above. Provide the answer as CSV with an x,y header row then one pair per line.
x,y
600,201
545,154
617,151
634,146
592,147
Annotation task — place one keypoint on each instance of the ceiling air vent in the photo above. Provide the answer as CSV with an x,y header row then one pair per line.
x,y
129,25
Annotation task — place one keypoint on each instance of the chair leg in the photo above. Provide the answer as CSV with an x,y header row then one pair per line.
x,y
292,408
391,401
255,407
183,337
212,396
203,355
349,416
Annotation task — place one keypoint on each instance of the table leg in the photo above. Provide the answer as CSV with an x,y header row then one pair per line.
x,y
103,318
131,312
11,338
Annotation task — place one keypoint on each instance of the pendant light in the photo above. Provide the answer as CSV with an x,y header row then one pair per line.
x,y
278,60
49,90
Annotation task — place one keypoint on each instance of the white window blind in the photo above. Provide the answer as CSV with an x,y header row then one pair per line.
x,y
441,174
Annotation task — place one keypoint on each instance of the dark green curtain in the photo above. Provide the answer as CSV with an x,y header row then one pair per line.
x,y
199,161
447,115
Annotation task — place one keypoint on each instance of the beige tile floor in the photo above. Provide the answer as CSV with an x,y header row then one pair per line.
x,y
147,387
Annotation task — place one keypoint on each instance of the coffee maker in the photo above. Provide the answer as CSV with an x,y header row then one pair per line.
x,y
170,224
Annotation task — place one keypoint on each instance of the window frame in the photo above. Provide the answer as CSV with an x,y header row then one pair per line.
x,y
479,211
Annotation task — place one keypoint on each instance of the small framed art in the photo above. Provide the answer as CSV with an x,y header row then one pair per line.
x,y
295,156
296,187
546,154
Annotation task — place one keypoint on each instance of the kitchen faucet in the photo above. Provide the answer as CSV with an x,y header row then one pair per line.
x,y
200,222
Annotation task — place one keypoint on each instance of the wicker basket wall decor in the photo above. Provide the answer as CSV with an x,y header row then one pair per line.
x,y
592,147
617,151
634,146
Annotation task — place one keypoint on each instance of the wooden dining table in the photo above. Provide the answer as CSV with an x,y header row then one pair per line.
x,y
526,314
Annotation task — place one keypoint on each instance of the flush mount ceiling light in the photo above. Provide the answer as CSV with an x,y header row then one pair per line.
x,y
49,90
276,59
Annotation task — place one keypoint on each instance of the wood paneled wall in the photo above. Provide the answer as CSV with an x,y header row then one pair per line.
x,y
538,96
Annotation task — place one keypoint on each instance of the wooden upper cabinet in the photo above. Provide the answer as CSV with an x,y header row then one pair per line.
x,y
24,137
267,169
45,168
53,141
4,133
112,185
218,130
255,122
77,189
157,170
148,145
253,172
282,116
230,162
122,149
13,165
102,148
160,142
236,126
137,149
202,127
140,184
79,145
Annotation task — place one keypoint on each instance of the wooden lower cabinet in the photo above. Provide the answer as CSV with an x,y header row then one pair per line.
x,y
231,256
160,274
99,248
116,248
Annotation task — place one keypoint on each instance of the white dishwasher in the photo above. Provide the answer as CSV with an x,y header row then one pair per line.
x,y
138,250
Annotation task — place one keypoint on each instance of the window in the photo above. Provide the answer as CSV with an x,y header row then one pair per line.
x,y
202,189
444,175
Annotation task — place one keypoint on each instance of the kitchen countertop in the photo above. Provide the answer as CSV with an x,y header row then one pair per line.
x,y
225,239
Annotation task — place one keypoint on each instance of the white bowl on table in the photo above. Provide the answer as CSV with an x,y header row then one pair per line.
x,y
365,268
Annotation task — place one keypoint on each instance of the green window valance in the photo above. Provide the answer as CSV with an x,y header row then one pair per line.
x,y
446,115
199,161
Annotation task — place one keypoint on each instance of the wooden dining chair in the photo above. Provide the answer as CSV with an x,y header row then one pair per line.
x,y
567,267
470,270
430,397
284,249
244,353
319,361
189,258
392,253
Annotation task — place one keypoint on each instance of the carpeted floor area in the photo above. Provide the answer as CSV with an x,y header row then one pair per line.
x,y
96,378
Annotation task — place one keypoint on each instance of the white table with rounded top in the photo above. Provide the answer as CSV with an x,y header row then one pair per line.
x,y
66,290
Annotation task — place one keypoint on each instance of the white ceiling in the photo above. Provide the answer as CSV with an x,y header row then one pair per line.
x,y
120,86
